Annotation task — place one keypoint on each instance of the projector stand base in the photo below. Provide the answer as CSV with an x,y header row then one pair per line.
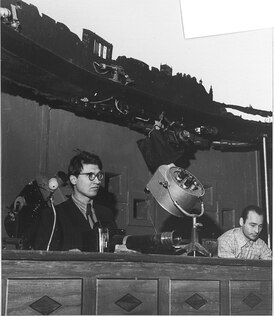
x,y
194,246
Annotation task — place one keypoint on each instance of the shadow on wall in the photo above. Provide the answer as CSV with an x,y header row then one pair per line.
x,y
107,199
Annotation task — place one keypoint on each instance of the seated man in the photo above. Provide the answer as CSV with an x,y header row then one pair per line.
x,y
244,242
76,218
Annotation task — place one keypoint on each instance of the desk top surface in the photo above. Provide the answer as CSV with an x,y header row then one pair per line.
x,y
37,255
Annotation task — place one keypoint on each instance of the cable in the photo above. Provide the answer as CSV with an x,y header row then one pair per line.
x,y
98,65
124,112
98,102
54,223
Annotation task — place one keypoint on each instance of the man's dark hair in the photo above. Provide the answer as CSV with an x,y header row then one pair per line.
x,y
249,208
83,157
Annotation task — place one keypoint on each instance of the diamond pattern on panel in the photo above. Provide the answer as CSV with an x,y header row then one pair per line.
x,y
128,302
252,300
196,301
45,305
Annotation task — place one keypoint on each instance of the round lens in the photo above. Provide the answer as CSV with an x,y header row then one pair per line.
x,y
91,176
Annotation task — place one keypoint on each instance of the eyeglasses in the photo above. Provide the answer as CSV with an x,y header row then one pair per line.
x,y
92,175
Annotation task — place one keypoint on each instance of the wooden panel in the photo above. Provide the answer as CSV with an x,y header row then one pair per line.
x,y
228,219
107,283
44,296
140,213
127,297
209,196
118,183
195,297
251,297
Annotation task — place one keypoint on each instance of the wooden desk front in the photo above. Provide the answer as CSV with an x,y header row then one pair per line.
x,y
65,283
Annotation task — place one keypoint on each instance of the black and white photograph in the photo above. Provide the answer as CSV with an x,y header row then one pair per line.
x,y
136,157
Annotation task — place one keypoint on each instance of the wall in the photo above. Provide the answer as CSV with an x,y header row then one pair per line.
x,y
39,140
22,144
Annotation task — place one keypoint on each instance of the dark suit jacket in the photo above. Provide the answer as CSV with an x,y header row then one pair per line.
x,y
72,229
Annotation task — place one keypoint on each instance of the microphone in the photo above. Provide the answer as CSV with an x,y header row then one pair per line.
x,y
53,185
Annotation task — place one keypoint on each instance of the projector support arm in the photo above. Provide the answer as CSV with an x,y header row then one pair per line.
x,y
188,214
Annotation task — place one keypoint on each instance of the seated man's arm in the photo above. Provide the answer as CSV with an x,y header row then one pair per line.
x,y
225,248
266,253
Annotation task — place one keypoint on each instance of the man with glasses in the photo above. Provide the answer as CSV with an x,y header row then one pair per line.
x,y
78,217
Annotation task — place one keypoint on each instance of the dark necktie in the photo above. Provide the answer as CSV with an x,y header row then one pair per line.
x,y
89,213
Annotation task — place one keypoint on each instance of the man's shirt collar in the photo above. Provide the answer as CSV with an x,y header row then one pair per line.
x,y
242,239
